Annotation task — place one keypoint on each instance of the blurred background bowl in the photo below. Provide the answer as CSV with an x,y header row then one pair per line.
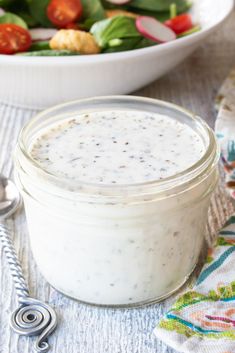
x,y
39,82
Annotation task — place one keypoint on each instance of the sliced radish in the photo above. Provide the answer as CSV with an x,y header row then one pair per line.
x,y
152,29
38,34
118,2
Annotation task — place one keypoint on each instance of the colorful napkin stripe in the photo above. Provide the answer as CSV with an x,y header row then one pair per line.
x,y
203,319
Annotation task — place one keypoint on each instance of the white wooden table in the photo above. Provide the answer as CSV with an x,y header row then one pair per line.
x,y
84,329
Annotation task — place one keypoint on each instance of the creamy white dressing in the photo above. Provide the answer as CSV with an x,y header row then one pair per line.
x,y
118,147
135,250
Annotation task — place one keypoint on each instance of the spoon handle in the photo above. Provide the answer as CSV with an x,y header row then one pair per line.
x,y
14,265
32,317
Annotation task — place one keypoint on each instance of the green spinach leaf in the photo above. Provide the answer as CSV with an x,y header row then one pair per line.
x,y
28,18
123,45
118,27
108,5
5,3
145,42
87,24
160,5
21,8
9,17
42,45
38,12
49,53
93,10
129,44
160,16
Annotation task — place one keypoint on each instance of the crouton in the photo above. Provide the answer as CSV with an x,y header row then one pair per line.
x,y
74,40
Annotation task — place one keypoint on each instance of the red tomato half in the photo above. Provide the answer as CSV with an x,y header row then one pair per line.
x,y
180,24
13,39
63,12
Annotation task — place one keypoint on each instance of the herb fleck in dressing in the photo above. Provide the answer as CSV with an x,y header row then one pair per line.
x,y
118,147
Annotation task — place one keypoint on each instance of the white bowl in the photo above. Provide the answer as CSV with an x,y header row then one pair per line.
x,y
39,82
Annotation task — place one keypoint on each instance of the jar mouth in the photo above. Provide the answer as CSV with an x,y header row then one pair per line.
x,y
207,161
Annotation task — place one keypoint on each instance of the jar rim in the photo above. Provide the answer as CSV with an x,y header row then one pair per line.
x,y
208,160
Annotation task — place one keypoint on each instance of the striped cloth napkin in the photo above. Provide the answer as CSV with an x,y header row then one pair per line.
x,y
203,319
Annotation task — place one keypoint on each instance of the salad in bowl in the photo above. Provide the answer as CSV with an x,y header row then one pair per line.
x,y
47,65
81,27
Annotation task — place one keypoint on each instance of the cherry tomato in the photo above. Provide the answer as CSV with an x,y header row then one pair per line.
x,y
180,24
64,12
13,39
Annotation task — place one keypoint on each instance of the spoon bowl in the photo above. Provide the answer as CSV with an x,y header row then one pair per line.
x,y
10,198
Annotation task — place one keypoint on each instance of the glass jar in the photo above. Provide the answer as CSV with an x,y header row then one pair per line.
x,y
123,244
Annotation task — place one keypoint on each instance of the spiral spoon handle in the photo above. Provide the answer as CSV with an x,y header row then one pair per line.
x,y
14,265
32,317
35,318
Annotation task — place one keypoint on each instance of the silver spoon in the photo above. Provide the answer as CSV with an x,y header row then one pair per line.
x,y
32,317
